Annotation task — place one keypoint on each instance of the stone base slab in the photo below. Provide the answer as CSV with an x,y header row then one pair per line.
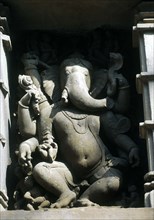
x,y
105,213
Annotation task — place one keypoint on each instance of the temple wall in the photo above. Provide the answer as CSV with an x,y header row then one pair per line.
x,y
33,24
5,123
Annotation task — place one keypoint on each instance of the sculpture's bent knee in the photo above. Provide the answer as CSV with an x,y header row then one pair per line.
x,y
114,184
39,170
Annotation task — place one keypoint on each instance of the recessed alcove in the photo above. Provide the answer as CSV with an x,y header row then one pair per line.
x,y
69,27
71,15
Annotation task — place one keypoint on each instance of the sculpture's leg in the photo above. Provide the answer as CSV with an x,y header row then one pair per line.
x,y
100,191
44,204
55,177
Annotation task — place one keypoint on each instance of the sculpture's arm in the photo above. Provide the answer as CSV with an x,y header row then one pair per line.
x,y
30,62
47,147
119,91
123,98
27,125
134,157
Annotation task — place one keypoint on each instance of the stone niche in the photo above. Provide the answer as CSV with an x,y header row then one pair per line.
x,y
47,38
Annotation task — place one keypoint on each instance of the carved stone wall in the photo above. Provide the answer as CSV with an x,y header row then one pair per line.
x,y
52,48
68,15
145,85
5,46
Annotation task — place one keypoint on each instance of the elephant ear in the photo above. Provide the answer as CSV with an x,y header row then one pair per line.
x,y
101,76
99,82
51,84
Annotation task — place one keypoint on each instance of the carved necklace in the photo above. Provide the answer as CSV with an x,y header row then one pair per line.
x,y
78,120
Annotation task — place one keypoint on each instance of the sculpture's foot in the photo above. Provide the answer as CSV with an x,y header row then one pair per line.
x,y
45,204
84,202
65,200
30,207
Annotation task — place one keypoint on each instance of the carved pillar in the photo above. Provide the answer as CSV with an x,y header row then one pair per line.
x,y
145,86
5,45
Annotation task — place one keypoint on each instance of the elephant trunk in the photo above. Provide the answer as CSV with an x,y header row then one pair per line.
x,y
78,93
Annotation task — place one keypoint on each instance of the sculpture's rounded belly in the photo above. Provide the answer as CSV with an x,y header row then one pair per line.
x,y
81,151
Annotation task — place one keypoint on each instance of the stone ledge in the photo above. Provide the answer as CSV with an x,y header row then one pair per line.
x,y
105,213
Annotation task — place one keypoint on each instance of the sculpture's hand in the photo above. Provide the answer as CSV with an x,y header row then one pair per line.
x,y
52,152
35,101
112,87
110,103
16,195
28,197
25,100
122,82
116,162
30,59
48,151
24,158
32,98
134,158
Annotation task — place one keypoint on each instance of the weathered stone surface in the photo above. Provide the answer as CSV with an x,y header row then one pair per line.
x,y
110,213
4,114
80,143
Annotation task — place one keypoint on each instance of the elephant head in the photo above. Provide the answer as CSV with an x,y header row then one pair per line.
x,y
75,83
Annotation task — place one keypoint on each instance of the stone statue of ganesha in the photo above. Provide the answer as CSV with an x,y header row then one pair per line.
x,y
60,118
